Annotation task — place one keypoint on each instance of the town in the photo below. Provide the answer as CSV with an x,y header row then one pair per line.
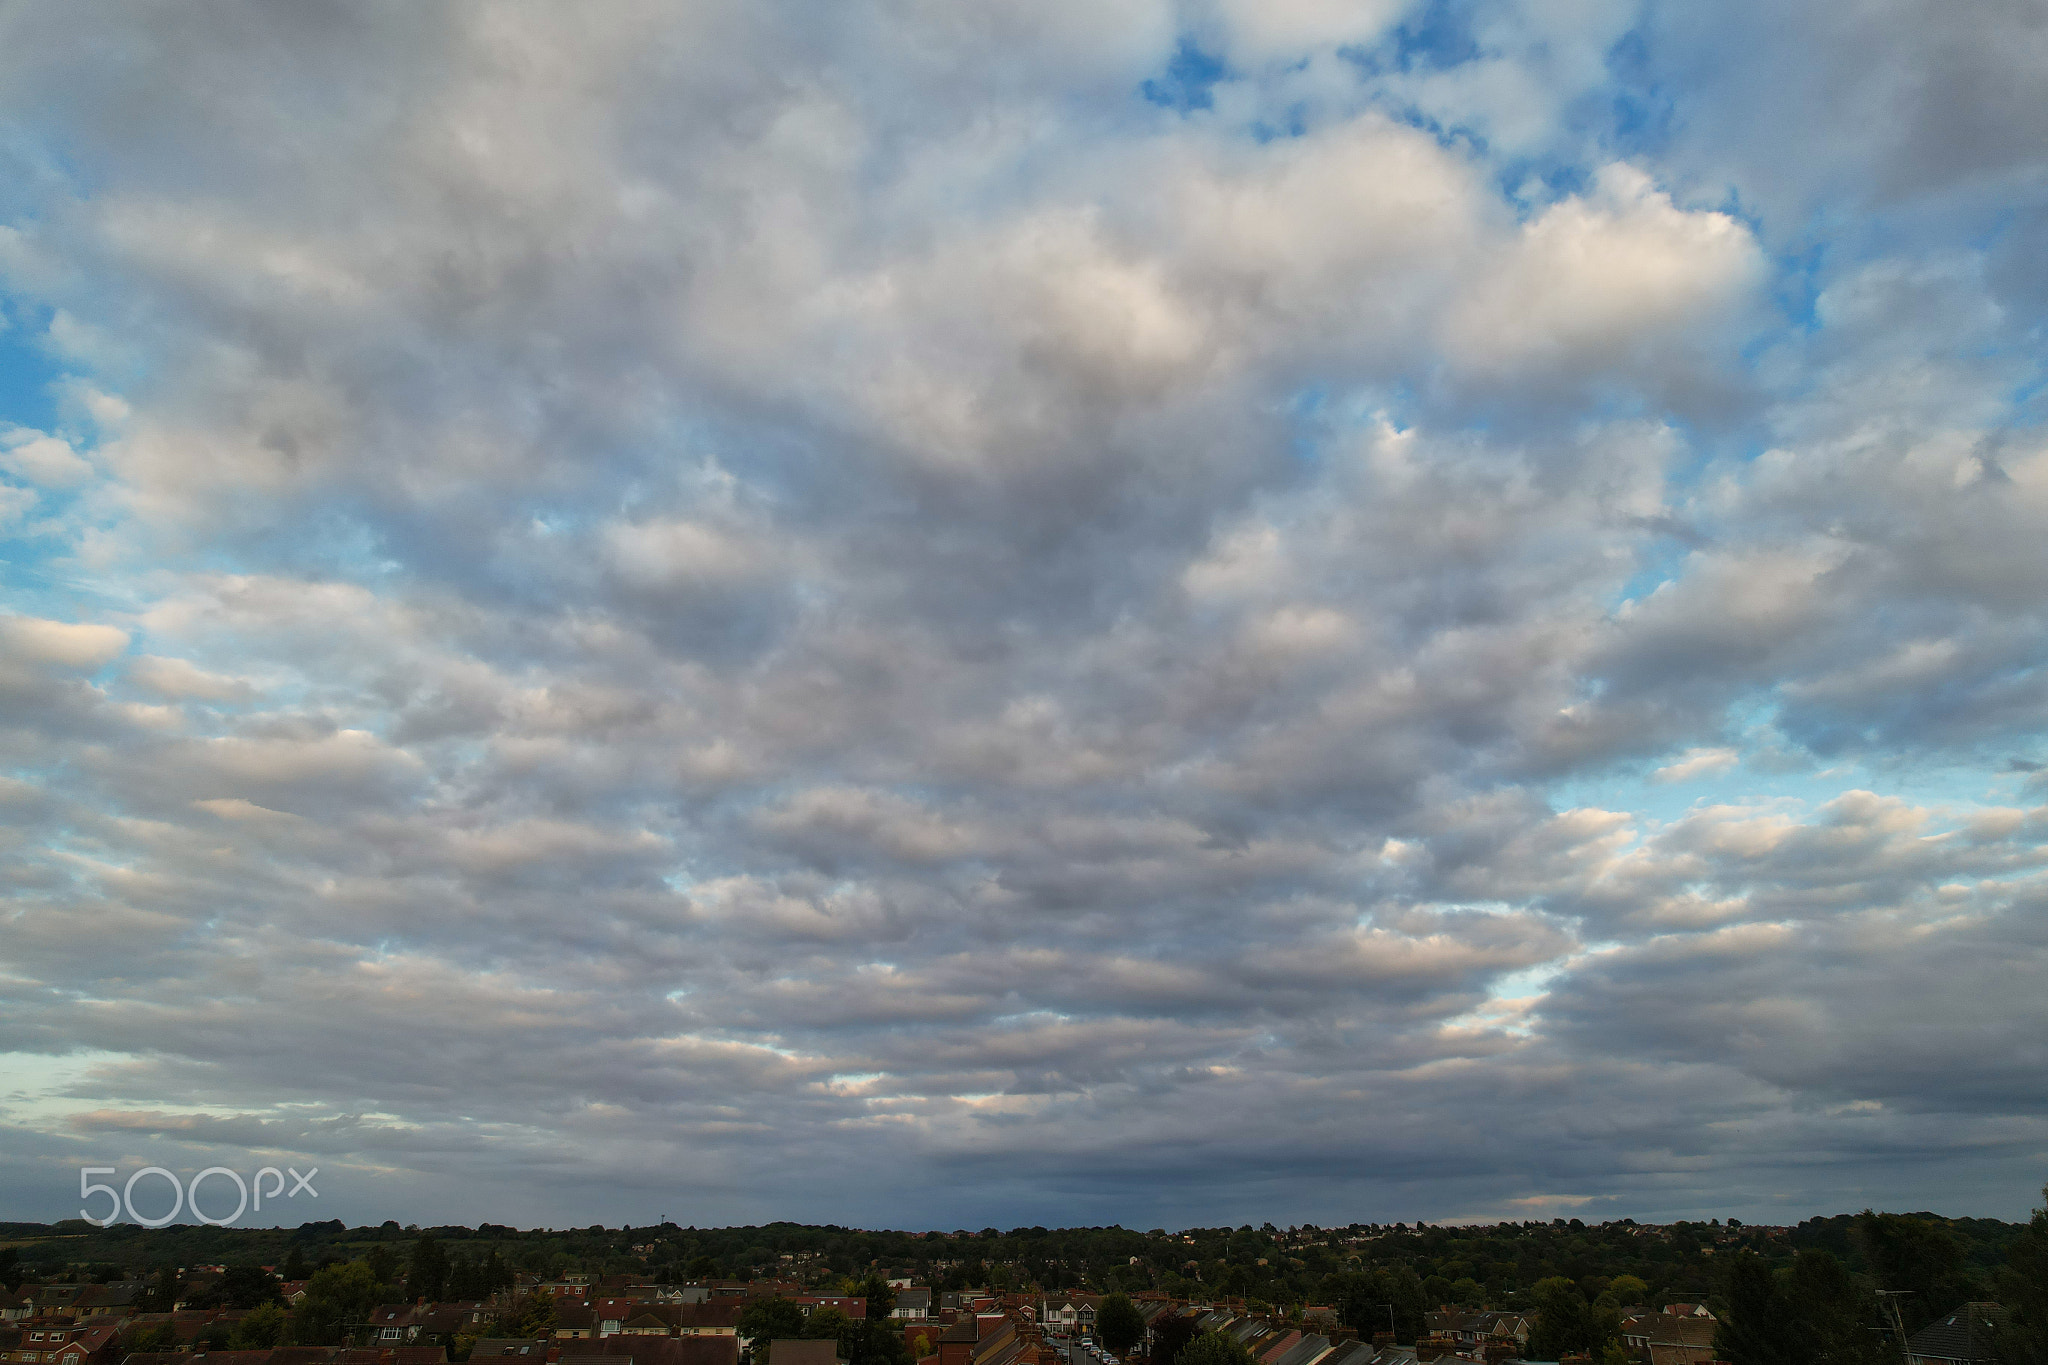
x,y
1869,1287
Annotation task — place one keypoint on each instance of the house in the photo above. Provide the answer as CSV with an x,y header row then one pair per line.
x,y
1308,1351
1068,1313
85,1346
912,1302
1669,1339
645,1325
719,1317
491,1347
706,1349
434,1324
1478,1327
1965,1337
787,1352
13,1307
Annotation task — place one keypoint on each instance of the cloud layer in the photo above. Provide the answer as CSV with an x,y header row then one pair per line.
x,y
937,615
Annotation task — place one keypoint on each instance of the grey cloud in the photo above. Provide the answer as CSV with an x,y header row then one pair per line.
x,y
717,589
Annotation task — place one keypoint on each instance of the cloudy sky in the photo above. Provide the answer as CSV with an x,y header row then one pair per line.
x,y
1040,611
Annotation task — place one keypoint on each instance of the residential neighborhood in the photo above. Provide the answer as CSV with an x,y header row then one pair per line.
x,y
1559,1291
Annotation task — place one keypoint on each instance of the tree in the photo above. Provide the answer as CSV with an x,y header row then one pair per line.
x,y
2023,1289
426,1271
530,1317
1171,1334
1383,1300
1214,1348
162,1295
1813,1314
1627,1289
880,1297
295,1267
1758,1328
1118,1323
771,1320
262,1330
1833,1315
335,1296
383,1263
825,1323
244,1286
1921,1257
10,1268
1564,1320
149,1339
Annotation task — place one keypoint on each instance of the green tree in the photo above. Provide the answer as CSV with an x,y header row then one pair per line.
x,y
1627,1290
1383,1300
532,1316
262,1330
1214,1348
1918,1256
771,1320
1833,1314
1564,1320
336,1296
881,1299
162,1294
244,1286
10,1268
146,1340
426,1271
383,1264
2023,1289
295,1267
1170,1335
824,1323
1758,1328
1118,1323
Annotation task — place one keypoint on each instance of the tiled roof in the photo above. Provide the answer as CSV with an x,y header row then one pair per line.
x,y
1970,1334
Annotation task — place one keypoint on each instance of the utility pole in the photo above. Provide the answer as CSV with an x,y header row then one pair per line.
x,y
1890,1299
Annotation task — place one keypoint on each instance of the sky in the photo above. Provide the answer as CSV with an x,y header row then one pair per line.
x,y
1052,612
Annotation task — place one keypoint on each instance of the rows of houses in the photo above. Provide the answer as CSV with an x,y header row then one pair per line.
x,y
617,1321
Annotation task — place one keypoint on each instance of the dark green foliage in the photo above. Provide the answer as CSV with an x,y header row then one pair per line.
x,y
10,1267
1365,1299
427,1270
162,1294
1564,1321
383,1264
1214,1348
1920,1256
530,1317
881,1299
262,1330
1169,1336
1757,1328
1815,1314
337,1298
1118,1324
771,1320
2023,1289
243,1286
